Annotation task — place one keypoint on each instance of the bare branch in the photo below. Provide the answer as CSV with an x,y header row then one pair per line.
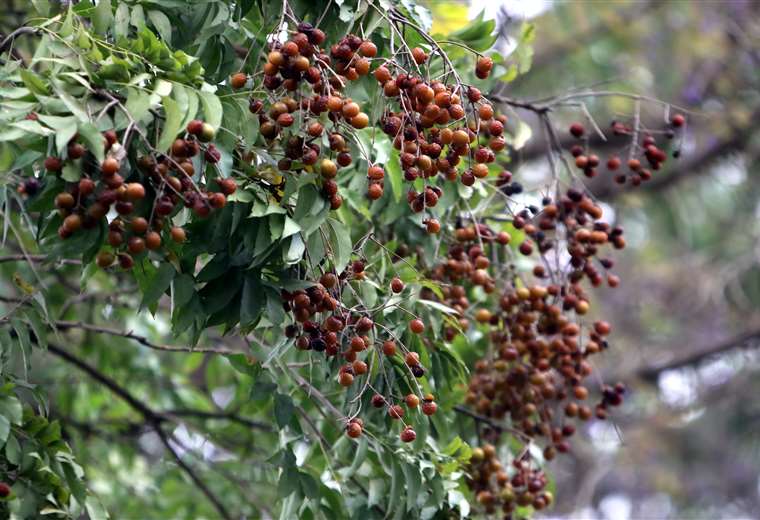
x,y
66,325
749,339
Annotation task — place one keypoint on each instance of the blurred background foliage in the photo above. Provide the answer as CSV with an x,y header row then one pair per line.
x,y
684,445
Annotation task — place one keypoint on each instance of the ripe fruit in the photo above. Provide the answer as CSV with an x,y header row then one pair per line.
x,y
195,127
345,379
65,200
5,490
395,412
153,240
75,151
86,187
408,434
139,225
359,121
428,406
354,429
678,120
136,245
237,81
483,67
419,55
328,169
53,164
412,401
389,348
376,173
577,130
433,226
412,358
416,326
368,49
382,74
397,285
135,191
104,259
72,223
110,166
374,191
217,200
125,261
228,186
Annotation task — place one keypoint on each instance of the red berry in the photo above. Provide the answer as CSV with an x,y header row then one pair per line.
x,y
195,127
408,434
354,430
577,130
417,326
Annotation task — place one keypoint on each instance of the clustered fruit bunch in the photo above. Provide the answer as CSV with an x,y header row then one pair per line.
x,y
430,127
643,158
499,487
144,199
323,324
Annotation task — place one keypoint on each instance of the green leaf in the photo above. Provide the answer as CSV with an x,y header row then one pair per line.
x,y
289,482
295,251
376,491
162,24
172,125
138,103
340,240
183,288
121,21
95,509
252,300
138,17
290,227
33,82
64,135
5,429
94,139
283,409
212,108
395,176
10,408
158,284
359,457
102,17
438,306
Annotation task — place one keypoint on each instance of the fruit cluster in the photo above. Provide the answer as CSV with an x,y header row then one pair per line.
x,y
577,220
144,199
430,127
324,325
505,488
643,154
439,129
298,127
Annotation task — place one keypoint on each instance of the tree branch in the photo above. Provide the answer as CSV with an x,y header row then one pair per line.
x,y
229,416
66,325
750,338
193,476
37,258
152,417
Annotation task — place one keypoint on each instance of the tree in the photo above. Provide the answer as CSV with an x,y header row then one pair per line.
x,y
370,315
